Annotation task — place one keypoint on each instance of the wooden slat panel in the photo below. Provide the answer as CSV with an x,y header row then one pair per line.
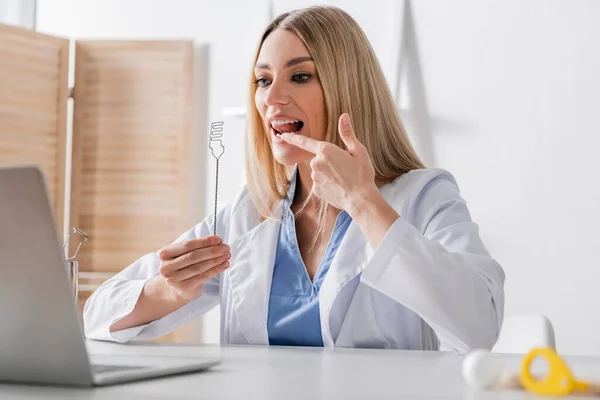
x,y
131,135
33,106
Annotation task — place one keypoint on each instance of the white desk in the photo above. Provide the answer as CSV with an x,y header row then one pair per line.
x,y
294,373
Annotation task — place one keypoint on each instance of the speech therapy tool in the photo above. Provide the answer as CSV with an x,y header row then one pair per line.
x,y
481,371
216,146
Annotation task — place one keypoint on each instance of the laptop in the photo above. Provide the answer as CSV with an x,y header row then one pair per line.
x,y
41,339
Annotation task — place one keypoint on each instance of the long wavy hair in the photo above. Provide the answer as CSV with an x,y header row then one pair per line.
x,y
352,82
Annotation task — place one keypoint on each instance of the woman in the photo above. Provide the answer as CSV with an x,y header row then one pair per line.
x,y
341,236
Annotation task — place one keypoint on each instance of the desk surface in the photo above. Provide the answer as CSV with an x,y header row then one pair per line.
x,y
293,373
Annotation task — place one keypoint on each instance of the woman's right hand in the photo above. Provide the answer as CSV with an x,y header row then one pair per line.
x,y
184,267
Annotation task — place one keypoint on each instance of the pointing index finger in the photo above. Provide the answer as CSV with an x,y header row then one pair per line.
x,y
304,142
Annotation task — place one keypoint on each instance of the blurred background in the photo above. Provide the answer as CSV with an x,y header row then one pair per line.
x,y
502,93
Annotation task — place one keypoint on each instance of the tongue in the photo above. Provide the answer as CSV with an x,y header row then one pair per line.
x,y
293,127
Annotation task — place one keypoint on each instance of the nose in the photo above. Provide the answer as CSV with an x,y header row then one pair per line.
x,y
276,94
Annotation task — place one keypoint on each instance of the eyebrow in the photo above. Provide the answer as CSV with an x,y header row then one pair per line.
x,y
289,64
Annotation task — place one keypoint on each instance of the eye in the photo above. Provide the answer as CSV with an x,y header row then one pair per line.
x,y
262,82
301,78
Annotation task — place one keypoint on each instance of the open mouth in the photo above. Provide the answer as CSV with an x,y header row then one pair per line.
x,y
286,126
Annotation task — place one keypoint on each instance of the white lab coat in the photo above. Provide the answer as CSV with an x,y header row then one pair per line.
x,y
429,285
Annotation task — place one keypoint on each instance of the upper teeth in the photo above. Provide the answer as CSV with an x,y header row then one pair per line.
x,y
282,122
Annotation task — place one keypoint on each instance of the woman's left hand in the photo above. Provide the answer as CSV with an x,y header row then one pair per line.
x,y
342,178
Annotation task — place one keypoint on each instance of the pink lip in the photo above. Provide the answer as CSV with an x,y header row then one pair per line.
x,y
281,116
277,139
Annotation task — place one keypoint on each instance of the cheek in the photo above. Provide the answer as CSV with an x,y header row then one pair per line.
x,y
259,102
323,120
260,105
319,113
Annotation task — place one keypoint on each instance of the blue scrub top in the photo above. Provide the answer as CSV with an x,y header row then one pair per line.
x,y
294,317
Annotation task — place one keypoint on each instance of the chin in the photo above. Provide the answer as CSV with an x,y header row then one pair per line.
x,y
291,157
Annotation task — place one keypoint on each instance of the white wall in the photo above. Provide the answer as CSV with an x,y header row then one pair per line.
x,y
501,93
18,13
507,96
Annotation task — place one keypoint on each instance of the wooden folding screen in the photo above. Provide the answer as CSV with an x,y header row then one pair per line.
x,y
130,168
131,137
33,106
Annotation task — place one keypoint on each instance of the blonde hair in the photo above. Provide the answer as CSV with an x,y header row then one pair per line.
x,y
352,82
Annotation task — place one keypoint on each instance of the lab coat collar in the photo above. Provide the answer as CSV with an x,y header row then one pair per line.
x,y
251,272
253,258
350,260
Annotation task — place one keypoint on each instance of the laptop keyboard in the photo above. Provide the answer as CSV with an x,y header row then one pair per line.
x,y
100,368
